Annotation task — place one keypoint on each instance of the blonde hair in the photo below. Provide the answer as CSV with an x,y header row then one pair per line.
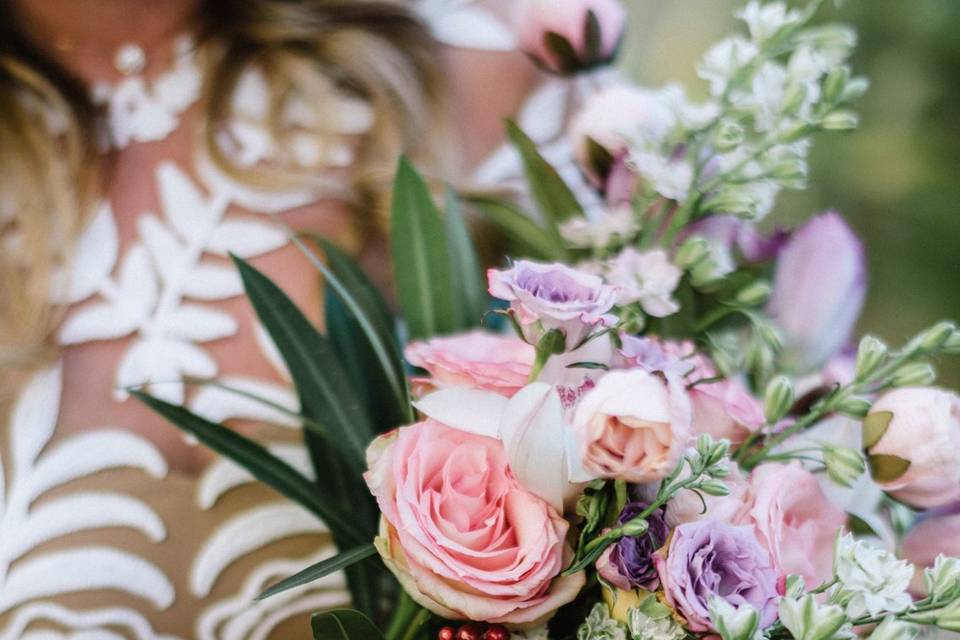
x,y
375,51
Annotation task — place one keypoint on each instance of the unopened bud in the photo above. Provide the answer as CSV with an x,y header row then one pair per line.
x,y
855,407
893,629
952,345
636,527
718,471
834,84
916,374
936,336
841,120
949,617
692,251
714,488
729,135
854,89
706,272
778,399
870,354
754,294
844,465
793,97
943,579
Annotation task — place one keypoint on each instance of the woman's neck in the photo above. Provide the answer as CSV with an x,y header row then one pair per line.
x,y
84,36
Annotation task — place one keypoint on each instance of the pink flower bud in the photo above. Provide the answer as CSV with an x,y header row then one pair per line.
x,y
563,38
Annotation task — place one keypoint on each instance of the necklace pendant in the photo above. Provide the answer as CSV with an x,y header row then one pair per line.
x,y
130,59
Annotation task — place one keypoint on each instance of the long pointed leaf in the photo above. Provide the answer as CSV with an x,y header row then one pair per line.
x,y
554,198
344,624
466,276
420,257
317,373
321,569
258,461
533,240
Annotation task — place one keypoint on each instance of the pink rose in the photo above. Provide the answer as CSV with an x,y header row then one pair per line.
x,y
924,429
795,521
541,23
632,426
723,409
462,536
477,359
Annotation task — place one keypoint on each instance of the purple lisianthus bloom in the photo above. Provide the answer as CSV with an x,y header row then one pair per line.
x,y
818,291
710,558
628,564
554,296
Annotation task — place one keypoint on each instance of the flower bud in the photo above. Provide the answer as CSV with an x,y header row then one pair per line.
x,y
844,465
915,374
806,619
794,587
793,97
692,251
706,272
893,629
636,527
943,579
728,136
714,488
949,618
936,336
871,353
952,345
841,120
855,407
754,294
855,89
777,399
834,84
733,623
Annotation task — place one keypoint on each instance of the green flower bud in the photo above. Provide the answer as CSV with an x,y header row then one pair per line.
x,y
706,272
692,251
840,120
636,527
834,84
806,619
844,465
893,629
734,623
794,587
952,345
855,407
916,374
728,136
714,488
871,353
854,89
719,471
943,579
777,399
754,294
936,336
949,617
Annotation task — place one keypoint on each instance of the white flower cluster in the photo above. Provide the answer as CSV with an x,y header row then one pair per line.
x,y
870,580
600,626
769,92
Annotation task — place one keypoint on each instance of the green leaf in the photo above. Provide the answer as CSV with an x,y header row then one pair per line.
x,y
592,37
325,394
552,195
465,271
258,461
859,526
420,258
359,328
874,426
321,569
344,624
562,50
533,240
887,468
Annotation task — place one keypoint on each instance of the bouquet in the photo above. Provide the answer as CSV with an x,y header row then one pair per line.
x,y
647,424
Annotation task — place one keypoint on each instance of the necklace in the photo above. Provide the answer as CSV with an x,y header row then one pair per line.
x,y
139,110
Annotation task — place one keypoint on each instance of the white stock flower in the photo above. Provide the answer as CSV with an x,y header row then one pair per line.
x,y
942,580
643,626
616,223
805,619
723,60
869,579
670,177
735,623
893,629
646,277
764,20
600,626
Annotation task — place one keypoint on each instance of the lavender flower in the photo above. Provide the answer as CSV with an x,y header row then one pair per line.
x,y
629,563
554,296
711,559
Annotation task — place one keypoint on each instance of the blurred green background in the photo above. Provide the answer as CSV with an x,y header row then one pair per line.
x,y
896,179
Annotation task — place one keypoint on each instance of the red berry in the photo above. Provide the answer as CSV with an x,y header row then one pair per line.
x,y
497,632
471,631
447,633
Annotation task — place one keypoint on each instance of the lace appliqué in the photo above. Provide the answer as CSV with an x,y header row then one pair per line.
x,y
141,111
26,526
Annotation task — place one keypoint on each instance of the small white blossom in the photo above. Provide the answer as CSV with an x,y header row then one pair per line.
x,y
618,223
893,629
806,619
723,60
764,20
646,277
651,620
870,579
669,177
600,626
943,579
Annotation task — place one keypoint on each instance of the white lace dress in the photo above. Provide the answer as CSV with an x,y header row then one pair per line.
x,y
100,538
